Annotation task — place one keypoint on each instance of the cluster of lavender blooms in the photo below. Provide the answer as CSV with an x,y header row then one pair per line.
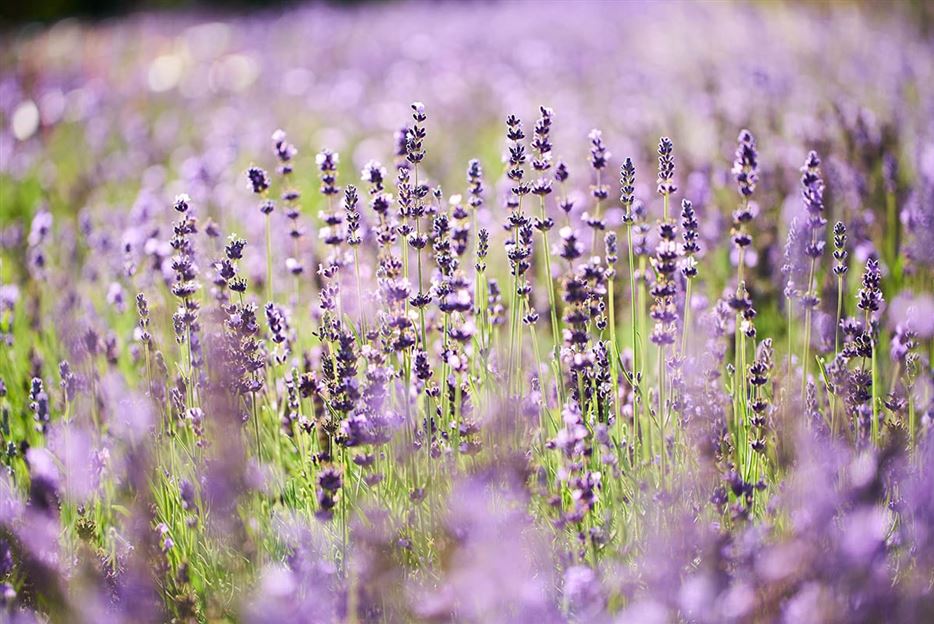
x,y
374,373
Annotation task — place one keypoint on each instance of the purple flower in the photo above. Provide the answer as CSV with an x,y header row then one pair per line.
x,y
666,167
869,297
258,178
746,164
327,164
627,189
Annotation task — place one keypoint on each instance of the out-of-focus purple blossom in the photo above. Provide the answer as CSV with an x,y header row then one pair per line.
x,y
666,167
914,309
746,164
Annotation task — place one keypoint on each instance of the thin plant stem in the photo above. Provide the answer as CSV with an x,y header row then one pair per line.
x,y
662,408
268,258
687,317
552,300
614,350
808,310
875,383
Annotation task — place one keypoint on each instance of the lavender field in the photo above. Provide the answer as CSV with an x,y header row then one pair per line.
x,y
477,312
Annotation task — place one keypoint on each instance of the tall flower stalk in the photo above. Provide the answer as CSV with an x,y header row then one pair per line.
x,y
185,319
664,312
610,244
869,300
332,233
839,270
627,181
414,154
812,191
290,195
599,157
352,219
746,172
259,182
517,251
542,187
689,227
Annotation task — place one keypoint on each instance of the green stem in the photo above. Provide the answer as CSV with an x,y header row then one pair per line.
x,y
259,448
875,386
790,330
360,302
513,315
614,351
421,309
593,242
687,317
632,302
662,417
268,258
836,331
892,230
643,350
552,303
836,351
807,328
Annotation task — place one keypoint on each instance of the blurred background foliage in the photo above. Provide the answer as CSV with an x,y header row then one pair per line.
x,y
17,12
20,11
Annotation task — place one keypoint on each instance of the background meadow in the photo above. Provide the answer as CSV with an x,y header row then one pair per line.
x,y
469,312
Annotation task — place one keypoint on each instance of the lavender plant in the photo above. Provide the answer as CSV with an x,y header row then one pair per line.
x,y
336,398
